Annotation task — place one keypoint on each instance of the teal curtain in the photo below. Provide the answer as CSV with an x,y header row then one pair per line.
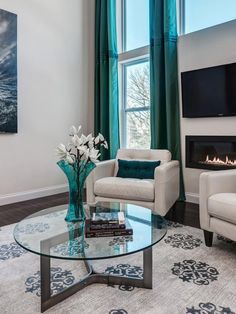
x,y
165,117
106,76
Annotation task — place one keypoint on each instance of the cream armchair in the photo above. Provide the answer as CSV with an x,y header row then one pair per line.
x,y
158,194
218,204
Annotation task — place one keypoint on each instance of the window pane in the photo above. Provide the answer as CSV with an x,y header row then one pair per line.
x,y
137,104
138,129
136,24
205,13
137,85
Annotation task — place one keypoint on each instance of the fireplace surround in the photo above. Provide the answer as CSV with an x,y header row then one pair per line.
x,y
211,152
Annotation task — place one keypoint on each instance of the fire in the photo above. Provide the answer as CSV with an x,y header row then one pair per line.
x,y
218,161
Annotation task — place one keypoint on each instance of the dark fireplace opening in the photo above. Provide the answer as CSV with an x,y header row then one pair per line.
x,y
211,152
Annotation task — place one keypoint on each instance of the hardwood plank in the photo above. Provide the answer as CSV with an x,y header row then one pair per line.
x,y
13,213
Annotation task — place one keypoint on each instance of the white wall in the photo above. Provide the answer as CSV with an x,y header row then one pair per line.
x,y
208,47
55,78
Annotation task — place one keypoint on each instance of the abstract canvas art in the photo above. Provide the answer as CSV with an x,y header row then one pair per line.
x,y
8,72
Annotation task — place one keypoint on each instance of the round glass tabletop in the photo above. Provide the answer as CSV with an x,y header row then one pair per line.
x,y
47,233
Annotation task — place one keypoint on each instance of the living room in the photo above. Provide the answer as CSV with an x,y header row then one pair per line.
x,y
151,83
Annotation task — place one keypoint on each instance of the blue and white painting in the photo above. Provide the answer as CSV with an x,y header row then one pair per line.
x,y
8,72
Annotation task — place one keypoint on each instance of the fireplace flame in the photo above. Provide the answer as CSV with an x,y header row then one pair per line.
x,y
218,161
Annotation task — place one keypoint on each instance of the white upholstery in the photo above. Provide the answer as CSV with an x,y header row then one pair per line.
x,y
223,206
218,202
158,194
141,190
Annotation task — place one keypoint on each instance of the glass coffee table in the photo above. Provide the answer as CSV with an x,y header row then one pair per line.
x,y
44,232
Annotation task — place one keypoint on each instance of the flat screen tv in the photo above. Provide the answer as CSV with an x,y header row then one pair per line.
x,y
209,92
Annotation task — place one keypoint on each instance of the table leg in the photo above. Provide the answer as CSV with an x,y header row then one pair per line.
x,y
147,268
47,301
45,276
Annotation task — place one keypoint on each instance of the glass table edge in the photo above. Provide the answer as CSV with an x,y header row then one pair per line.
x,y
89,258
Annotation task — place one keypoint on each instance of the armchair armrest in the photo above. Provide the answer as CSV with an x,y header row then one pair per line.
x,y
103,169
212,183
166,186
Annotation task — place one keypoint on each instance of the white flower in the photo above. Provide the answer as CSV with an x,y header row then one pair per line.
x,y
83,139
89,138
61,151
76,140
82,149
96,141
84,153
105,145
69,158
74,131
91,144
101,140
101,137
94,154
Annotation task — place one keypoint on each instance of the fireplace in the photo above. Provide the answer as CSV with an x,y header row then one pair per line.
x,y
211,152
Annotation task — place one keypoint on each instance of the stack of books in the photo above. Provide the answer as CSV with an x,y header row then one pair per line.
x,y
107,225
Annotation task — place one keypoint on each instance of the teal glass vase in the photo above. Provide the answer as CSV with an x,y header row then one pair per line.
x,y
76,176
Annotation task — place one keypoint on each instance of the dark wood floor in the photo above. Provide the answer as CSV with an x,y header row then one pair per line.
x,y
182,212
185,213
13,213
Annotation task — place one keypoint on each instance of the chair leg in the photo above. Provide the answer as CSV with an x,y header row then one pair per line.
x,y
208,238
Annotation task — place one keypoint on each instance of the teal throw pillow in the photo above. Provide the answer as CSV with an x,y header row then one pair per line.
x,y
137,169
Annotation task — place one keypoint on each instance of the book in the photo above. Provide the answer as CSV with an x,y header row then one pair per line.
x,y
108,218
107,232
106,226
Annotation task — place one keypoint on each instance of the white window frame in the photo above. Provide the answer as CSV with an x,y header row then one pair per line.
x,y
126,58
180,13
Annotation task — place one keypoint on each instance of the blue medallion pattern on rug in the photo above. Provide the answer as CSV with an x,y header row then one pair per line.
x,y
11,250
122,287
60,279
125,270
118,311
126,288
33,228
186,242
198,273
173,224
120,240
71,248
209,308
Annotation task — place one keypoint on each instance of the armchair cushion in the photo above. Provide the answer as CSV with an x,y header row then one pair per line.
x,y
223,206
142,154
137,169
124,188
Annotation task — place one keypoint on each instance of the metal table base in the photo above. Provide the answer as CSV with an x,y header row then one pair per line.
x,y
47,300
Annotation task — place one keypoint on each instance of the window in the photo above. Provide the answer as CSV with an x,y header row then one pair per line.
x,y
136,24
134,73
136,104
199,14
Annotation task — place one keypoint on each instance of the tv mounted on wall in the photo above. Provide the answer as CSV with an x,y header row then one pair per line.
x,y
209,92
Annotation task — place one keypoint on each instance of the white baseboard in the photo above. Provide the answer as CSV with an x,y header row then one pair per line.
x,y
57,189
29,195
192,198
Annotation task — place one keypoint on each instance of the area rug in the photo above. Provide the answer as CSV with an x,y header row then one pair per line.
x,y
188,278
